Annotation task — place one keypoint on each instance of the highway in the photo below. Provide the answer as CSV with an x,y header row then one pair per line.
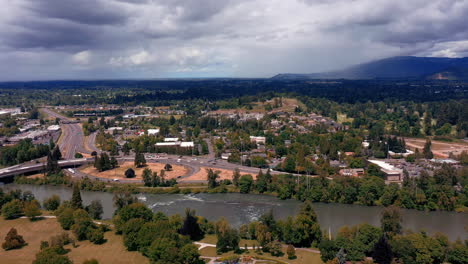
x,y
37,167
72,139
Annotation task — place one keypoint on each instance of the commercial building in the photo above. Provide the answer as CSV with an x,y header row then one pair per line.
x,y
392,173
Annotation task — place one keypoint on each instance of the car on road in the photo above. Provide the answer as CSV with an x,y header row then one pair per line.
x,y
115,180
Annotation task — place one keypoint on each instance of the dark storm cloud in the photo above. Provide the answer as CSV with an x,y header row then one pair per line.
x,y
79,11
51,35
147,38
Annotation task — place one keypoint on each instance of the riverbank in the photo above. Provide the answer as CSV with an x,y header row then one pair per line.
x,y
183,188
239,209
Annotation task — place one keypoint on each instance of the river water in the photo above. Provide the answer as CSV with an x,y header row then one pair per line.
x,y
239,209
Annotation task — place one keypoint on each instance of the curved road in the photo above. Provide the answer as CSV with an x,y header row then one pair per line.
x,y
72,139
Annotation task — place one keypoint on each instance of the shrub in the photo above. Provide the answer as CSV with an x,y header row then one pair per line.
x,y
130,173
13,240
13,209
65,218
51,256
291,251
95,235
52,203
32,210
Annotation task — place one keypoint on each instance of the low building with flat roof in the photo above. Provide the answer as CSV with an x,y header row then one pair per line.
x,y
392,173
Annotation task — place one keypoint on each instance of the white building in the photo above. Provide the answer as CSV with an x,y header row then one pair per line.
x,y
153,131
258,140
393,174
171,139
53,128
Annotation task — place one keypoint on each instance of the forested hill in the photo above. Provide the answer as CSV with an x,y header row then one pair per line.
x,y
147,91
396,68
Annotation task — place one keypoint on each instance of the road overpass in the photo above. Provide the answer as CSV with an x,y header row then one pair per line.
x,y
39,167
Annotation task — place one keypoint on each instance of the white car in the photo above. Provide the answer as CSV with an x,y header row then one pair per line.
x,y
115,180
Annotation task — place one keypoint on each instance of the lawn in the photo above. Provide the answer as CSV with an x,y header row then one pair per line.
x,y
33,233
302,255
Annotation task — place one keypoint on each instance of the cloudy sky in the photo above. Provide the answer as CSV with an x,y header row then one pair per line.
x,y
95,39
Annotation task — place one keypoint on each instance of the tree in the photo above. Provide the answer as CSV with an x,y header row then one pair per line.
x,y
82,224
146,175
291,252
168,167
12,209
458,253
328,249
212,176
427,152
95,209
13,240
130,173
341,256
274,248
235,177
52,203
382,252
228,238
190,227
76,201
52,166
189,254
32,209
140,160
390,221
306,227
245,183
65,218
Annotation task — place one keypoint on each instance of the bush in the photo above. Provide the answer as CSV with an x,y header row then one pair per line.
x,y
52,203
95,235
32,210
13,240
13,209
291,251
51,256
95,209
65,218
130,173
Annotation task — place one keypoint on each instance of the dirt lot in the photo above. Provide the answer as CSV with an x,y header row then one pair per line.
x,y
202,174
439,148
113,251
177,170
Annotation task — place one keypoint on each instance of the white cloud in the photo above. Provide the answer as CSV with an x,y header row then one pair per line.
x,y
82,57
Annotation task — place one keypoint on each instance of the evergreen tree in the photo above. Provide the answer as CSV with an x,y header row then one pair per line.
x,y
427,152
147,177
76,201
190,227
382,252
235,177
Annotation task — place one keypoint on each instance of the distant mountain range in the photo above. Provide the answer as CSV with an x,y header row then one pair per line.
x,y
406,67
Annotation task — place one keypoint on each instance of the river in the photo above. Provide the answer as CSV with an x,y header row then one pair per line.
x,y
239,209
